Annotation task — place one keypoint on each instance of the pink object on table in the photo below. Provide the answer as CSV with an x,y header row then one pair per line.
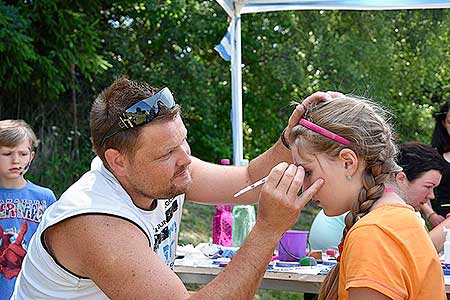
x,y
223,221
331,252
222,226
224,161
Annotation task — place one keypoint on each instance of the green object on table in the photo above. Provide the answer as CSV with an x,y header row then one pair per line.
x,y
308,261
244,218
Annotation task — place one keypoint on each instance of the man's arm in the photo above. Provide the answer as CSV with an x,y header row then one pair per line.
x,y
430,214
116,255
214,184
279,208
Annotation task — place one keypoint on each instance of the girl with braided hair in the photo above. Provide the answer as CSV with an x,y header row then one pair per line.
x,y
385,251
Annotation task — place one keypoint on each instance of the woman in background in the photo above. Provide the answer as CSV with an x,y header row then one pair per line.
x,y
441,141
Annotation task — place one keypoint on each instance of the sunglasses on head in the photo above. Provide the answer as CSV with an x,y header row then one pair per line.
x,y
142,112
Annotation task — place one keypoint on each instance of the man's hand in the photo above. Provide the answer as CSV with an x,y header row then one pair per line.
x,y
279,204
301,109
279,208
431,215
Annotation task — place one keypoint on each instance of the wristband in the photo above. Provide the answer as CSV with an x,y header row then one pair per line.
x,y
283,139
430,215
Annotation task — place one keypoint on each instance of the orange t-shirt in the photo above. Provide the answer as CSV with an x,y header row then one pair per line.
x,y
389,251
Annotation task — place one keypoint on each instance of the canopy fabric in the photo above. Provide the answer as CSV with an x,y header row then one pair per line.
x,y
234,8
255,6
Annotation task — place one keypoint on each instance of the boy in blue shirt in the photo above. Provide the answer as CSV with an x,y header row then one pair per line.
x,y
22,203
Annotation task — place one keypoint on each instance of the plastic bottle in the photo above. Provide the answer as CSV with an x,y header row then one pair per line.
x,y
222,225
447,245
244,218
223,221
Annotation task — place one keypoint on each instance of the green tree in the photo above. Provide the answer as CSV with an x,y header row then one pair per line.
x,y
45,46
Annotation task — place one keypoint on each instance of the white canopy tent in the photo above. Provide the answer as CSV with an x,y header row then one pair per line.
x,y
235,8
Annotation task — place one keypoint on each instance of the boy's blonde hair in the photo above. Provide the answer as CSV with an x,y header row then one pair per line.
x,y
366,126
14,132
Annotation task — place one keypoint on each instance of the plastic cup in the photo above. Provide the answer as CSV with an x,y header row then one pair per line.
x,y
292,245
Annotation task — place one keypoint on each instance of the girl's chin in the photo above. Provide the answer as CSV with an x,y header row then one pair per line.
x,y
330,213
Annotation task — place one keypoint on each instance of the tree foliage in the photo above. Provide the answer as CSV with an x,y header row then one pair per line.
x,y
399,58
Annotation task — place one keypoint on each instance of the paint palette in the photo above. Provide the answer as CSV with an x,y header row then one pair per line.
x,y
445,268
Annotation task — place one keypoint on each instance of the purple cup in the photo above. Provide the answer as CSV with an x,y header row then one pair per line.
x,y
292,245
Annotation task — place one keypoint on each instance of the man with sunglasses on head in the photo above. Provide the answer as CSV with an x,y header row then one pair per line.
x,y
113,233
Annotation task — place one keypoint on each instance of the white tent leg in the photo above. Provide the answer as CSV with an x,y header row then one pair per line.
x,y
236,87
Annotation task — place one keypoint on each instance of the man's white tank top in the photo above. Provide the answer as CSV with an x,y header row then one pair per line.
x,y
96,192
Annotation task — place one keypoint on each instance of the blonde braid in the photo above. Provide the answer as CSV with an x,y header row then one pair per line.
x,y
371,191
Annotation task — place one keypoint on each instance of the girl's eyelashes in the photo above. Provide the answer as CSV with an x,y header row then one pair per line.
x,y
307,172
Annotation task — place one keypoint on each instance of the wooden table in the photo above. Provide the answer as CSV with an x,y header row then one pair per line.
x,y
281,281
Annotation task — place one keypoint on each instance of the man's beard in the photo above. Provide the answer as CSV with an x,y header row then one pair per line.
x,y
170,192
175,190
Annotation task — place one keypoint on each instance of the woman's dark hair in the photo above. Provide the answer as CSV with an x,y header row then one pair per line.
x,y
441,138
417,158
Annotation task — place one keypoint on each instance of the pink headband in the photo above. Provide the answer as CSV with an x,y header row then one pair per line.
x,y
324,132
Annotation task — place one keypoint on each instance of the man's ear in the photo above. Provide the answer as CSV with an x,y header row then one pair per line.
x,y
116,161
350,161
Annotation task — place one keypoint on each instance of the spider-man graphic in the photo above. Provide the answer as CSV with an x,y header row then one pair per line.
x,y
12,254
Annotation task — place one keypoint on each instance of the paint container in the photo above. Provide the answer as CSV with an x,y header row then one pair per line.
x,y
331,253
292,245
447,245
317,254
308,261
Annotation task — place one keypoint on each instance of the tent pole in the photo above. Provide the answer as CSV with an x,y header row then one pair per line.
x,y
236,87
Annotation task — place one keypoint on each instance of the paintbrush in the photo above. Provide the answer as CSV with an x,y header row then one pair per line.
x,y
251,187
